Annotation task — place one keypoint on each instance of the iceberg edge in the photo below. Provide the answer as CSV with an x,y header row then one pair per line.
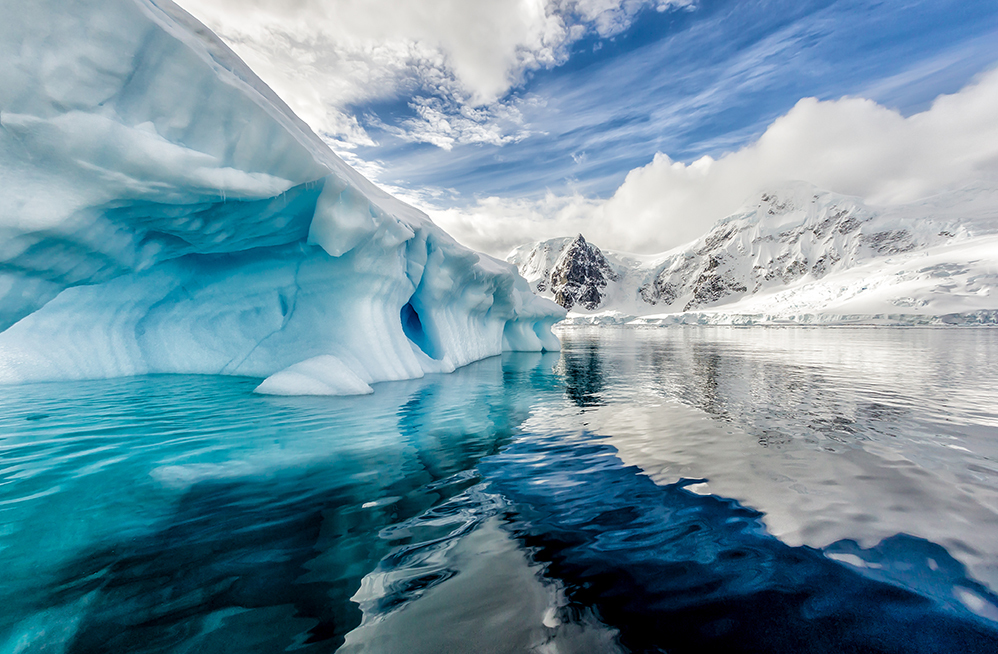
x,y
165,212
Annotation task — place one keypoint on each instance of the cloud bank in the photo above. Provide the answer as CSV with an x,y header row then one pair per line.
x,y
453,62
852,146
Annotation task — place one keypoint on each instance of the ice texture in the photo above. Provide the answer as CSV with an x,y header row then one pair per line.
x,y
321,375
163,211
795,254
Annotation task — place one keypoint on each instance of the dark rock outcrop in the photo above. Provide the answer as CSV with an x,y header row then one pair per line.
x,y
580,275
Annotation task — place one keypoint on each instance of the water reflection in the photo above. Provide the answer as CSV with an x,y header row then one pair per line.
x,y
273,528
705,373
680,572
645,490
834,434
231,547
582,368
826,384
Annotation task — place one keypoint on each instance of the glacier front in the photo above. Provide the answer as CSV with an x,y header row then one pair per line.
x,y
163,211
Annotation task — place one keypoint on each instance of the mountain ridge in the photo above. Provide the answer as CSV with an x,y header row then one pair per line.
x,y
796,251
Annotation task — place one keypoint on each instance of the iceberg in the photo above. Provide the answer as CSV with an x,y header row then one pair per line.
x,y
163,211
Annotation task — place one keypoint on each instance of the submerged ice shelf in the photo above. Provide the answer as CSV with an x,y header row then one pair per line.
x,y
163,211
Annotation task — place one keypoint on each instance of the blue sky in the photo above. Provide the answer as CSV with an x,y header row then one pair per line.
x,y
690,83
515,120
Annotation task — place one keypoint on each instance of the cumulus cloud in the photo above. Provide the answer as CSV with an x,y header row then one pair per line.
x,y
852,146
456,59
496,225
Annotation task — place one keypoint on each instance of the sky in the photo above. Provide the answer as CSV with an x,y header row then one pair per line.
x,y
639,123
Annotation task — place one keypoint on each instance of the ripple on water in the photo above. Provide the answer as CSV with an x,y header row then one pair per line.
x,y
748,490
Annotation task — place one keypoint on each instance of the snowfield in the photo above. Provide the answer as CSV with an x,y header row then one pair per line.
x,y
163,211
795,255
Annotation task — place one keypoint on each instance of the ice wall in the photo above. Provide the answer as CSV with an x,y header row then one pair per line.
x,y
163,211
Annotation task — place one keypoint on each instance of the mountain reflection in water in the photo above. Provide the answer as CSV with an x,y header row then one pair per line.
x,y
645,490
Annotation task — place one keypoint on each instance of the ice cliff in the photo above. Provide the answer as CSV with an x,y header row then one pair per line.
x,y
163,211
794,254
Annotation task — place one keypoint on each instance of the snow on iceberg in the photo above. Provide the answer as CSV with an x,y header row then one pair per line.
x,y
163,211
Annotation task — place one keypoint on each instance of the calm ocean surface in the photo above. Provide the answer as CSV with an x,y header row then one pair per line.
x,y
645,490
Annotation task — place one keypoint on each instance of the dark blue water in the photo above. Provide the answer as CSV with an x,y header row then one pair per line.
x,y
759,490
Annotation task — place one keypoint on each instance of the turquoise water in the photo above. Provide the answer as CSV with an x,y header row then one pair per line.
x,y
778,490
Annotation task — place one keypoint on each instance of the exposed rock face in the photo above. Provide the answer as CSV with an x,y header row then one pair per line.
x,y
712,286
580,274
792,238
786,237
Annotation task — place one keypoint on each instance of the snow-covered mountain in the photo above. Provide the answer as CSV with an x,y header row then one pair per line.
x,y
794,253
572,271
163,211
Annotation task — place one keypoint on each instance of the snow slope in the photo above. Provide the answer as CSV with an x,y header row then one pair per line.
x,y
796,254
163,211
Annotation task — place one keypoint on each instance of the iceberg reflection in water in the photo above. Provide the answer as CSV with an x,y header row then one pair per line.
x,y
779,490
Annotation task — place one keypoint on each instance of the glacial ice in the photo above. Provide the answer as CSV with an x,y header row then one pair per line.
x,y
321,375
163,211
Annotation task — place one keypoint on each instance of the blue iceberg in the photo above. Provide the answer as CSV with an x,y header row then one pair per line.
x,y
163,211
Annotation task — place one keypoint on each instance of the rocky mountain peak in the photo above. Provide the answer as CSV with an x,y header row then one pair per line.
x,y
580,275
795,241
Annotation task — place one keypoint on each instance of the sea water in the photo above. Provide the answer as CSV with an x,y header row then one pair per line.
x,y
646,490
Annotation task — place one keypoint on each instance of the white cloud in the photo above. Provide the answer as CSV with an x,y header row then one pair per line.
x,y
611,17
323,57
445,124
852,146
496,225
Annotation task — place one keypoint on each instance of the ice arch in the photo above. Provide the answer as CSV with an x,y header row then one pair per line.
x,y
163,211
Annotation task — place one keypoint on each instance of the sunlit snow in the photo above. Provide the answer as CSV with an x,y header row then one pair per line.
x,y
798,254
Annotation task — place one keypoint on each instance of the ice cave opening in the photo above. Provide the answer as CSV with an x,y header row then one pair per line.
x,y
412,326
